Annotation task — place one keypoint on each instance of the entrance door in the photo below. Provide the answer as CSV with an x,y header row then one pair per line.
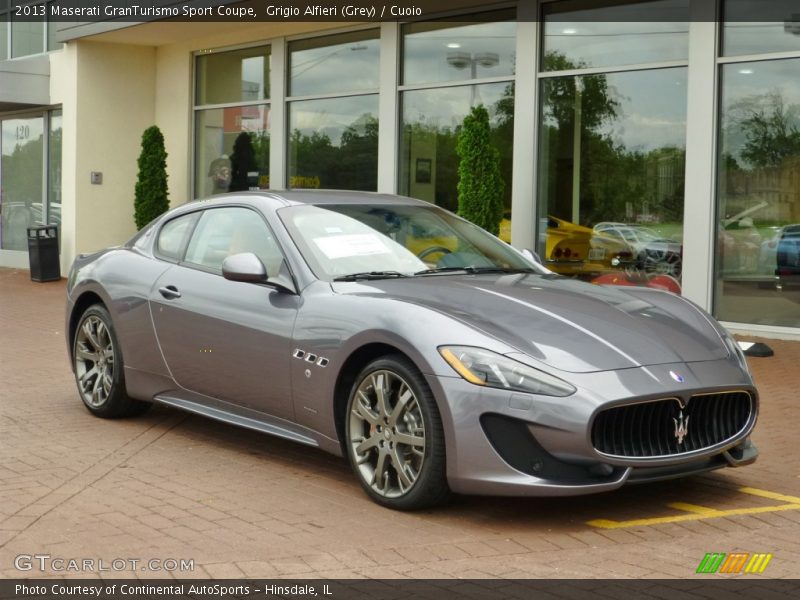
x,y
21,177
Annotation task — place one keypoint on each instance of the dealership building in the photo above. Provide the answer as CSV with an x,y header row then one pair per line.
x,y
637,138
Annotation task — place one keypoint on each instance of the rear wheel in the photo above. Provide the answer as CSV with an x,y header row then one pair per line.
x,y
394,436
97,362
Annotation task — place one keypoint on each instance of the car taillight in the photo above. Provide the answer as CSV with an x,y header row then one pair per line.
x,y
567,253
558,253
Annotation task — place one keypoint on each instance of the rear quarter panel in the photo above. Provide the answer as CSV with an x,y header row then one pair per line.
x,y
122,278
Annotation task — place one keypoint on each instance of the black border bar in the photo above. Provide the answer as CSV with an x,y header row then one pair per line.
x,y
700,588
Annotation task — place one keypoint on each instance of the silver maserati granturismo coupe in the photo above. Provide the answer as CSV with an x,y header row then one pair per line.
x,y
434,356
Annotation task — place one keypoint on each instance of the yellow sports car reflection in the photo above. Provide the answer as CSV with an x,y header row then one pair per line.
x,y
573,249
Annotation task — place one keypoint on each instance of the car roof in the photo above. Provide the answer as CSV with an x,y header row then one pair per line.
x,y
316,197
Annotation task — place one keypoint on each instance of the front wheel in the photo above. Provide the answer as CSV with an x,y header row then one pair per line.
x,y
97,362
394,436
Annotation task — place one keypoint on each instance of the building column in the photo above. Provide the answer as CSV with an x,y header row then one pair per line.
x,y
524,208
278,177
699,210
388,107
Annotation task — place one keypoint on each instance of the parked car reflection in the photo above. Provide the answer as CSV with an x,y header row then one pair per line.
x,y
654,253
573,249
787,255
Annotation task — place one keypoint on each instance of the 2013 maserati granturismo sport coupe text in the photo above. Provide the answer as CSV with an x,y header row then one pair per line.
x,y
436,357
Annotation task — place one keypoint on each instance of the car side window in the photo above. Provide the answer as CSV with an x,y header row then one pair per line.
x,y
222,232
172,236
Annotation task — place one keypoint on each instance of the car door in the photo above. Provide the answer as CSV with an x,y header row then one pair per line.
x,y
227,340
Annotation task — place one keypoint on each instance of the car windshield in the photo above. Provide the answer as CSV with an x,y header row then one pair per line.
x,y
374,241
646,235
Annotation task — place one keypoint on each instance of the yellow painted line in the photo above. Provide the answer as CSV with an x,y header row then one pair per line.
x,y
698,513
771,495
694,508
608,524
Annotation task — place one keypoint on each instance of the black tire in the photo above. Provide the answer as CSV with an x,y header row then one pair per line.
x,y
397,434
103,392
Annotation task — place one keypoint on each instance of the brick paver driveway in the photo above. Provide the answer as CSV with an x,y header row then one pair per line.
x,y
173,486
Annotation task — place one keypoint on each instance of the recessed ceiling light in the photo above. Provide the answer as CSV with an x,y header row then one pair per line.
x,y
569,31
454,45
746,71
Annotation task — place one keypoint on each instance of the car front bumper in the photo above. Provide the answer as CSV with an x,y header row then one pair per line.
x,y
507,443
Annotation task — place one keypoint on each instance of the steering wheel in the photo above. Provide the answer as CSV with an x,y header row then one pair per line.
x,y
433,250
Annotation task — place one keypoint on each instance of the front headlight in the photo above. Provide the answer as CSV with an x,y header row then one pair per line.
x,y
483,367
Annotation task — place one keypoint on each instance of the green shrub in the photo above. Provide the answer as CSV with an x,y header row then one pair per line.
x,y
480,185
151,197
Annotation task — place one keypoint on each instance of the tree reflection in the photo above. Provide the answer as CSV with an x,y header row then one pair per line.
x,y
770,129
352,164
588,173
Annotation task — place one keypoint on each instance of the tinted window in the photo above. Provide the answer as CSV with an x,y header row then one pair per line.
x,y
222,232
172,236
580,34
345,62
236,76
754,27
435,51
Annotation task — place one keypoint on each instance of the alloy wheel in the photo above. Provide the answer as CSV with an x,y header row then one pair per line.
x,y
94,361
387,433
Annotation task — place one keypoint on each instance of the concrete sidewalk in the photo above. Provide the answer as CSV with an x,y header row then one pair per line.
x,y
170,486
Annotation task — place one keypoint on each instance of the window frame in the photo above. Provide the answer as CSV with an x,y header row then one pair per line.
x,y
198,214
276,57
194,217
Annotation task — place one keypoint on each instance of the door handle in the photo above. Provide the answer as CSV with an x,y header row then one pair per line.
x,y
169,292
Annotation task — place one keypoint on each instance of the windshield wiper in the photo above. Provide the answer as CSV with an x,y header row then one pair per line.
x,y
370,275
474,269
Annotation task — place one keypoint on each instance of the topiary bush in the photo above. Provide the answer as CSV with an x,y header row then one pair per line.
x,y
480,185
151,197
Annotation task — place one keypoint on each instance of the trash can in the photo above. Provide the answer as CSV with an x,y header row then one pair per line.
x,y
43,253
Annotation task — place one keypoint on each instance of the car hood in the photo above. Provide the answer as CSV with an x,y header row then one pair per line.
x,y
566,324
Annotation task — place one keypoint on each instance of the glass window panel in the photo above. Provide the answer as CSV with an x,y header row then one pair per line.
x,y
333,143
27,37
172,236
235,76
431,122
231,149
224,232
337,63
577,34
758,194
54,169
611,174
4,25
440,51
21,169
755,26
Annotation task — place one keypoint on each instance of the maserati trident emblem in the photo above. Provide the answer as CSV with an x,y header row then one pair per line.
x,y
681,428
677,376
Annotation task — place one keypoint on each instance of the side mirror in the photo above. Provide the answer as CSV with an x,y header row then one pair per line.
x,y
531,256
246,267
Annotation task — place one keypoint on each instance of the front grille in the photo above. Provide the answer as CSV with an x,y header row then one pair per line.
x,y
649,428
